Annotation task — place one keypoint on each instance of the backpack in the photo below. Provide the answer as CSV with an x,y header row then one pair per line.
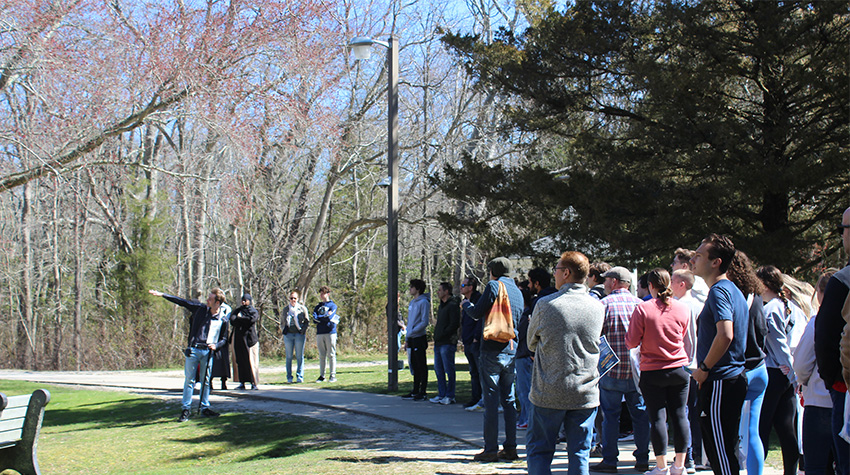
x,y
499,325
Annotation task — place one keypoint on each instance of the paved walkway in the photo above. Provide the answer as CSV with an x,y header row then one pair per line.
x,y
452,421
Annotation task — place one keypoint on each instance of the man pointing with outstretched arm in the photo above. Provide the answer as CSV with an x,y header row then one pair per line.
x,y
208,332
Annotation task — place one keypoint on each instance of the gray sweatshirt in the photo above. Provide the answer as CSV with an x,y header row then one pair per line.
x,y
418,315
564,333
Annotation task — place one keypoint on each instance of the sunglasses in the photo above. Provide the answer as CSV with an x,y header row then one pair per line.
x,y
841,227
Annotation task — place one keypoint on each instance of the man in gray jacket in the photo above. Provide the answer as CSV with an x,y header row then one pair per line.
x,y
418,317
564,334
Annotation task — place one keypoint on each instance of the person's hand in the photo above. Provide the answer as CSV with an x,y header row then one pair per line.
x,y
700,376
155,293
785,369
212,346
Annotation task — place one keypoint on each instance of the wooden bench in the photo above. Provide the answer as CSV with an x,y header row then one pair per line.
x,y
20,423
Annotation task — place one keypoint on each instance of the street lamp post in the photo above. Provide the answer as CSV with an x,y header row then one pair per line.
x,y
362,49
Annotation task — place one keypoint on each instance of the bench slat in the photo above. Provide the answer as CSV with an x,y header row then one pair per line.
x,y
18,401
10,424
13,413
7,436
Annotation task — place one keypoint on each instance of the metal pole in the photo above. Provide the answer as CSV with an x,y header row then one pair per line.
x,y
392,215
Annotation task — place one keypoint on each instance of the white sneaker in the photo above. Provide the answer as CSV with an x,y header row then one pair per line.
x,y
657,471
476,408
436,400
447,400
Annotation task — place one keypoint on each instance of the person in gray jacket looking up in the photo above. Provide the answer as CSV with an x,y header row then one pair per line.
x,y
564,334
418,317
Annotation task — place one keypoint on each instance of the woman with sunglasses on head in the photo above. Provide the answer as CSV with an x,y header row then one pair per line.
x,y
658,326
817,415
294,323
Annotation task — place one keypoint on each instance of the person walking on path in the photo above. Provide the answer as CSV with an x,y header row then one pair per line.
x,y
445,344
246,344
207,331
326,319
658,326
294,327
497,364
563,333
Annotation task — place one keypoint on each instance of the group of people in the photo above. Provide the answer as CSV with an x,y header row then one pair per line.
x,y
720,351
210,334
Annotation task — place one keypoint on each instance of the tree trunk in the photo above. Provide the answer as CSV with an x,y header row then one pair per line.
x,y
26,324
79,221
57,283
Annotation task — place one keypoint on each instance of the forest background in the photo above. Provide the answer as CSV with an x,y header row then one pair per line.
x,y
182,146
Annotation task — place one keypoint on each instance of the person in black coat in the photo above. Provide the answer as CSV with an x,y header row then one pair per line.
x,y
221,357
246,343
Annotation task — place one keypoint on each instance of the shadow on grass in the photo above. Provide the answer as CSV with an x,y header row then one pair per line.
x,y
258,436
283,436
110,414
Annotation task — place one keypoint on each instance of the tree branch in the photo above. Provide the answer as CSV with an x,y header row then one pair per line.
x,y
129,123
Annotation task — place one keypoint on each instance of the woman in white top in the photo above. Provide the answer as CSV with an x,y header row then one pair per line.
x,y
817,416
294,323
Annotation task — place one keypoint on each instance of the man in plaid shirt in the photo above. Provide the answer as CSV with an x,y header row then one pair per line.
x,y
618,383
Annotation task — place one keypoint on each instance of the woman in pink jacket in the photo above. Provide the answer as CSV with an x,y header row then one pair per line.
x,y
658,326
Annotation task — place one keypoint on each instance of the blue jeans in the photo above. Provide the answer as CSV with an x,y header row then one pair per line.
x,y
190,371
444,367
611,393
497,376
749,431
841,447
294,343
542,435
473,352
816,429
523,387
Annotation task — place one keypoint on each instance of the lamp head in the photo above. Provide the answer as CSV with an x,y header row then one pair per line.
x,y
362,47
385,183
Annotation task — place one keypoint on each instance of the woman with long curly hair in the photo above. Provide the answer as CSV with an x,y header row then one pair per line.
x,y
743,275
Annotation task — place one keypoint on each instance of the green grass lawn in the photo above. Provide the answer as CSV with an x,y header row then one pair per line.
x,y
373,379
112,432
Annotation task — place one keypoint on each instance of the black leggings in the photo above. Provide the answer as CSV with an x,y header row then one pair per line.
x,y
779,411
665,392
419,364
